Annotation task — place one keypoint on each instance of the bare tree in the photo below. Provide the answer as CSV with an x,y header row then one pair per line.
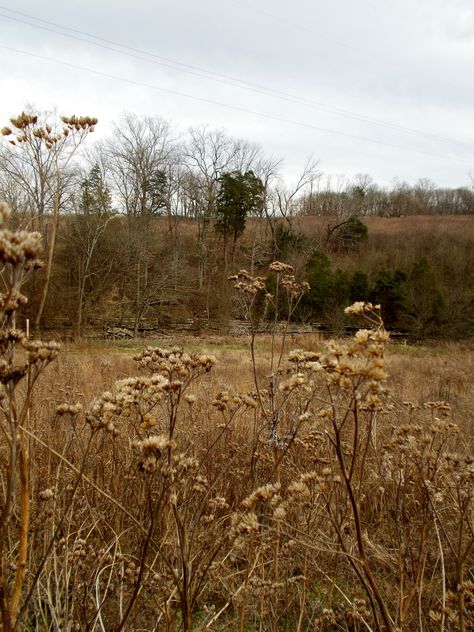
x,y
267,170
209,154
285,202
85,234
15,195
138,155
143,158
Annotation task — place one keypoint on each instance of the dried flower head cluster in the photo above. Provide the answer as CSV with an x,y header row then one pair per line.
x,y
134,400
280,268
20,247
175,363
26,127
286,278
246,283
20,122
357,365
79,123
232,402
294,288
361,307
152,449
368,311
19,253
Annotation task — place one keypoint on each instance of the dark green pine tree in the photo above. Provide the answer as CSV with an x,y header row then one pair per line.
x,y
390,290
96,198
320,278
240,195
157,192
359,286
425,301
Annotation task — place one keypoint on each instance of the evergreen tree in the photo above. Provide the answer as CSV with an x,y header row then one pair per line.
x,y
96,198
158,196
390,291
320,278
240,194
288,241
341,286
425,301
359,287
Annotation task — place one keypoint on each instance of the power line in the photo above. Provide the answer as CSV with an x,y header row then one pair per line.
x,y
220,78
228,106
256,8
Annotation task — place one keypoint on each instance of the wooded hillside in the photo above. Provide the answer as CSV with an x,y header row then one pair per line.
x,y
143,229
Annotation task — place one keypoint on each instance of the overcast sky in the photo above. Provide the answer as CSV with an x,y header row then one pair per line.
x,y
300,78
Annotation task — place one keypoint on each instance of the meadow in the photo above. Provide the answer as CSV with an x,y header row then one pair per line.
x,y
236,531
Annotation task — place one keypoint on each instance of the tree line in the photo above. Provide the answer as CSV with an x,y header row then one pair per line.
x,y
361,195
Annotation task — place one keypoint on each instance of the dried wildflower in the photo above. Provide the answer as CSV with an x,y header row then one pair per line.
x,y
247,523
278,266
46,494
247,284
155,444
361,307
221,401
151,449
298,489
175,364
295,381
279,513
261,495
68,409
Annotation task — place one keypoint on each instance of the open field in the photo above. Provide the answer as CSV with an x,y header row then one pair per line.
x,y
265,549
293,479
460,224
417,372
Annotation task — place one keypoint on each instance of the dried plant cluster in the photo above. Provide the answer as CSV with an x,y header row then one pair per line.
x,y
312,501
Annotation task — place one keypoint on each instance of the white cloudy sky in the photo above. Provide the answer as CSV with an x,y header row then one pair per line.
x,y
318,75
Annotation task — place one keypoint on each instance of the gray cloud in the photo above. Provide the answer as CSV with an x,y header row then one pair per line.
x,y
405,63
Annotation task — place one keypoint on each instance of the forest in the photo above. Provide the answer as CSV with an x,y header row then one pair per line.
x,y
142,228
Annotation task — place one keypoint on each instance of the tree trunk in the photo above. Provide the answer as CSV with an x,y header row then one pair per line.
x,y
49,264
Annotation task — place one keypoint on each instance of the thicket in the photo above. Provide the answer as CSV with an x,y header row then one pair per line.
x,y
312,499
422,278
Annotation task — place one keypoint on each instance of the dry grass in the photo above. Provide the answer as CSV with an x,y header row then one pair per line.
x,y
417,373
461,225
287,570
329,593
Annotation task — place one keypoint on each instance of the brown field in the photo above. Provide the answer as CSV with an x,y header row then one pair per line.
x,y
455,224
417,373
291,571
312,225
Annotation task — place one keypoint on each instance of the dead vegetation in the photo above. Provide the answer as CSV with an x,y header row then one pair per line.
x,y
222,489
